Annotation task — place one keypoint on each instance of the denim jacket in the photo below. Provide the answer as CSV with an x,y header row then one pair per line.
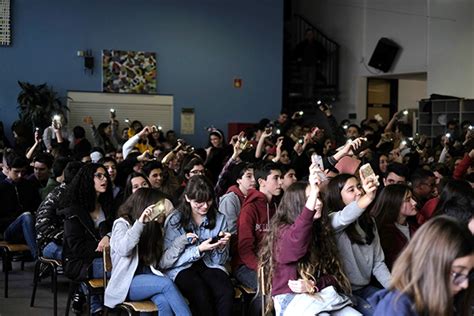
x,y
179,254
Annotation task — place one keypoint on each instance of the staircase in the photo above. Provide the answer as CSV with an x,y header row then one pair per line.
x,y
326,87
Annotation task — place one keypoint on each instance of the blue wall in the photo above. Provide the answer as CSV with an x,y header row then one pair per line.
x,y
201,46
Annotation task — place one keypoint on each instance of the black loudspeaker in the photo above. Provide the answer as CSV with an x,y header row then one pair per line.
x,y
384,54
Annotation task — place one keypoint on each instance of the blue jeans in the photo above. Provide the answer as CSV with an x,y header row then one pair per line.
x,y
162,291
97,272
23,230
246,276
53,251
361,296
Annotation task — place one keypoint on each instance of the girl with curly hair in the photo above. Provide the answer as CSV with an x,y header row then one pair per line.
x,y
136,250
87,225
299,258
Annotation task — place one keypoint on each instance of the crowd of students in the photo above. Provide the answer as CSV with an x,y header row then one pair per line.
x,y
286,202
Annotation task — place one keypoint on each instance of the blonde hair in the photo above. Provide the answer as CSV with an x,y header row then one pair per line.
x,y
423,269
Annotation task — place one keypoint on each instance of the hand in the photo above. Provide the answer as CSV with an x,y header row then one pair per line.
x,y
145,156
207,245
396,155
471,154
144,132
314,178
301,286
88,120
298,148
369,185
38,138
103,243
191,237
146,214
266,134
224,241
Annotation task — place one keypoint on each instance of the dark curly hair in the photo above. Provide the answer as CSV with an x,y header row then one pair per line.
x,y
81,191
199,188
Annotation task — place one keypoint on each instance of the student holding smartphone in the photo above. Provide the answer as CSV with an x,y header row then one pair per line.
x,y
136,251
194,258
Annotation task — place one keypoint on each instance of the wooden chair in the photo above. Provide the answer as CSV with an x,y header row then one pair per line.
x,y
131,307
54,266
12,253
93,286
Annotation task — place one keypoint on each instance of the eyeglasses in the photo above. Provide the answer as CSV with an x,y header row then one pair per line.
x,y
100,176
459,278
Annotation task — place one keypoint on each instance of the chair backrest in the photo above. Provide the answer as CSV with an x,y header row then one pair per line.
x,y
107,264
261,286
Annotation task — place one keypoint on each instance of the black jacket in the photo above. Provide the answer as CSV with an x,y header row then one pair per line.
x,y
80,241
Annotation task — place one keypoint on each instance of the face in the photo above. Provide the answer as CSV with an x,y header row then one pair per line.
x,y
408,207
319,204
108,131
216,141
86,159
283,118
41,171
100,180
138,166
199,208
247,181
137,183
393,178
460,270
285,157
383,163
426,188
352,132
351,191
156,178
119,157
471,225
14,174
288,179
272,184
196,170
111,169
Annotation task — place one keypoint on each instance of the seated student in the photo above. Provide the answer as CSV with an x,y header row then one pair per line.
x,y
136,247
231,202
394,212
135,181
49,224
87,225
432,275
195,166
111,166
254,222
299,256
58,176
161,178
397,173
356,236
288,176
193,257
423,183
19,199
42,164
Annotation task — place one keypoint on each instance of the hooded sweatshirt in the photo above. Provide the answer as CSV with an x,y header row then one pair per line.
x,y
229,205
253,224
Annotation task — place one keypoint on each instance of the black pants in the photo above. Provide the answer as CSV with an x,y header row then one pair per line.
x,y
209,291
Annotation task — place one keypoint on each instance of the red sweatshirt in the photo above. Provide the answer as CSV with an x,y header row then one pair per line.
x,y
291,246
252,226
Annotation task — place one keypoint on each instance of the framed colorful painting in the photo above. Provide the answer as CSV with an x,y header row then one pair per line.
x,y
128,72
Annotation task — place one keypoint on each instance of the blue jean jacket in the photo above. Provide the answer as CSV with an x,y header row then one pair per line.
x,y
179,254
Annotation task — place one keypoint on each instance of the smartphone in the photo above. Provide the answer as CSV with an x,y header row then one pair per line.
x,y
363,146
317,159
112,113
368,172
216,238
158,209
56,121
243,142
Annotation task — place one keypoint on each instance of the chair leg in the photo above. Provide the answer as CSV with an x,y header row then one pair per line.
x,y
6,259
35,282
54,285
72,289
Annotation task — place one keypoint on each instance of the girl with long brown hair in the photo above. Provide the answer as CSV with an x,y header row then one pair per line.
x,y
302,271
432,275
